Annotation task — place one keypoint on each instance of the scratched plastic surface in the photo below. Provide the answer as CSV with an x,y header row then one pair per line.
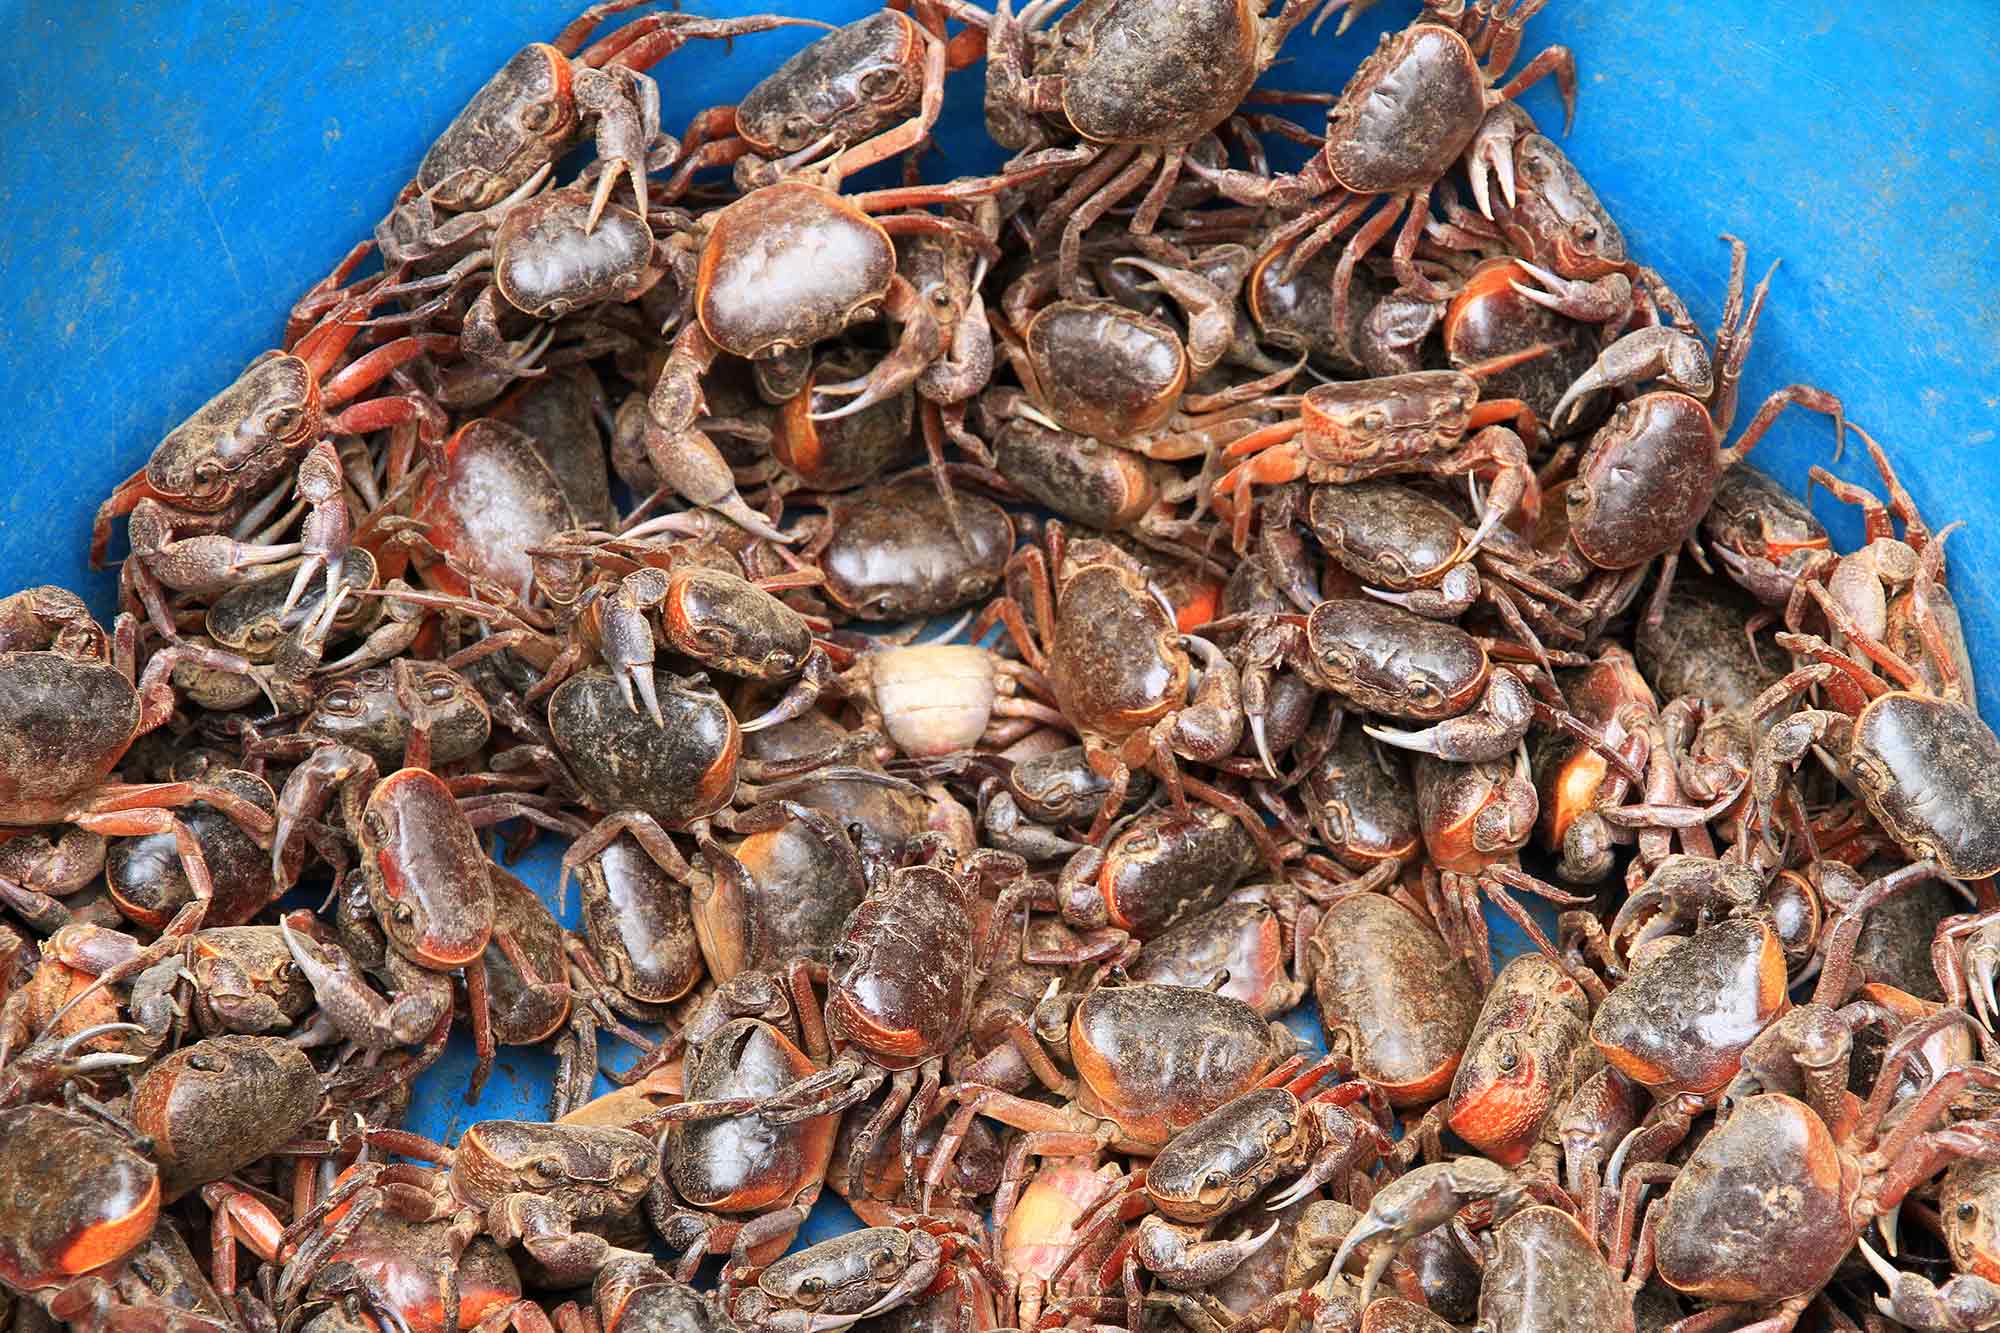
x,y
174,175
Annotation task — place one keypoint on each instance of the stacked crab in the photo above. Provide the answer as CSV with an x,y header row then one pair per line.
x,y
1320,535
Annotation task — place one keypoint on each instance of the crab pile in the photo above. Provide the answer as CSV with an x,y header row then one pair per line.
x,y
1330,559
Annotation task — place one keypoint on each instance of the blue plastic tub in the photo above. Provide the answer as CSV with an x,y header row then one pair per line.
x,y
175,175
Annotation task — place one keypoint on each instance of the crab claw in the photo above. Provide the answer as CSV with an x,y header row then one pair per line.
x,y
1982,960
1419,1202
325,535
85,1035
1292,1193
1344,1138
919,345
1464,740
1306,1184
688,463
1349,10
640,677
1601,301
1448,599
489,352
793,163
1614,1169
1513,489
1211,312
1883,1268
627,638
614,98
1036,12
310,965
600,198
281,840
1482,167
898,1293
814,677
357,1012
1240,1250
680,523
1678,360
738,511
1367,1229
523,354
1490,157
1263,745
47,1063
98,1062
1635,908
31,1081
866,390
1030,412
219,561
311,635
1965,1301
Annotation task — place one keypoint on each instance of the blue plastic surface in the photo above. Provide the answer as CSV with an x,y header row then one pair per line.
x,y
174,176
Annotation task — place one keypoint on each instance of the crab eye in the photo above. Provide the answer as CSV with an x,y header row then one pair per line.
x,y
538,116
796,132
343,702
1967,1211
1214,1189
1423,690
879,85
439,691
1509,1060
810,1291
402,913
281,420
883,1261
547,1168
1374,420
209,475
